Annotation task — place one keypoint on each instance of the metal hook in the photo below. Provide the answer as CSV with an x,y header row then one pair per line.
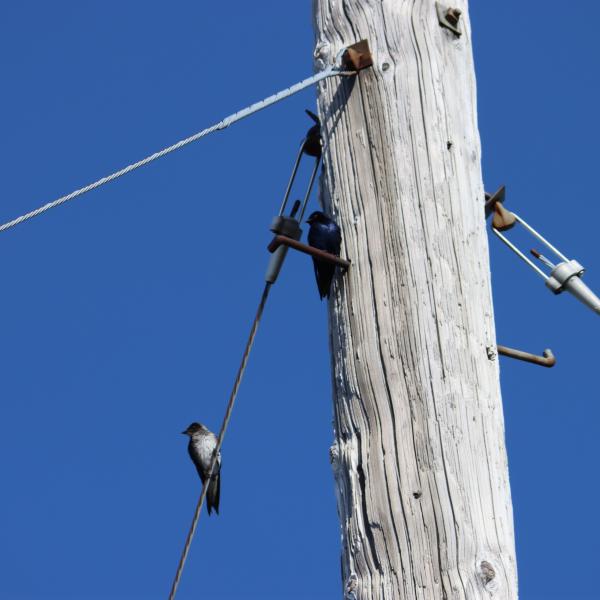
x,y
546,360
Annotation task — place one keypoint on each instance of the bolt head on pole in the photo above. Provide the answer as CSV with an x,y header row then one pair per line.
x,y
358,56
448,17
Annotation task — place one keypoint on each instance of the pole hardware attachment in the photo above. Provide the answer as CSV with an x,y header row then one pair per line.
x,y
449,18
564,276
357,57
289,226
312,141
282,240
502,219
546,360
491,199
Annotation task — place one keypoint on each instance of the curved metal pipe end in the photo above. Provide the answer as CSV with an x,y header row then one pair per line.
x,y
546,360
550,358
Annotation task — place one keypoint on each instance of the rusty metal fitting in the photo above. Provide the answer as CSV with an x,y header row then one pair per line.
x,y
503,219
357,57
491,199
449,18
546,360
282,240
453,16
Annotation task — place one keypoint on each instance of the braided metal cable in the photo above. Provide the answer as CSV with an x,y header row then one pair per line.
x,y
226,419
223,124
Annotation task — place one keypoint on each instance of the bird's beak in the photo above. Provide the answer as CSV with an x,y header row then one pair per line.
x,y
184,432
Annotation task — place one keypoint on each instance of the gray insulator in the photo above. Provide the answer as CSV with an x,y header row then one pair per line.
x,y
582,292
566,277
275,264
289,227
561,273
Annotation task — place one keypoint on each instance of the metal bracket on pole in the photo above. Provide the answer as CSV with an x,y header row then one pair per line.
x,y
547,360
490,199
289,226
564,276
503,219
282,240
357,57
449,18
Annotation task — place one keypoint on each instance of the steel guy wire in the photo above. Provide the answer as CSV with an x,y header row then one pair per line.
x,y
226,419
334,69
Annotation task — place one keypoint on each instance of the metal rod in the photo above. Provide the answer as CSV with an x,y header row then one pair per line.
x,y
293,176
282,240
542,258
295,208
309,190
540,237
519,253
547,360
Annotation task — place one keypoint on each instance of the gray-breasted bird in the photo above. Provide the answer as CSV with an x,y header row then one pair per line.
x,y
201,447
324,234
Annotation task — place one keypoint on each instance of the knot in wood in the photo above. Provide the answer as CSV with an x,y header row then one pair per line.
x,y
350,588
487,572
334,455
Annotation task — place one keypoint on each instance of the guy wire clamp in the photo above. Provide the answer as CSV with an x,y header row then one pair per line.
x,y
564,276
287,229
290,226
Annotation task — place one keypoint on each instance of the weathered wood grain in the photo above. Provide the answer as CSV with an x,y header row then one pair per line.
x,y
419,456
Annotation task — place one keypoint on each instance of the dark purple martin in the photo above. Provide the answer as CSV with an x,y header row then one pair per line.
x,y
201,447
324,234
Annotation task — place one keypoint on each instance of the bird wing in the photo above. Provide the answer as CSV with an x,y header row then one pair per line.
x,y
194,457
333,240
213,494
336,241
218,463
328,239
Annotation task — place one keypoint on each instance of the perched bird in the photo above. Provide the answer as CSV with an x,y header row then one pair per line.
x,y
325,235
201,447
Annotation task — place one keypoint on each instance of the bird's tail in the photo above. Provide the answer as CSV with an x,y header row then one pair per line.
x,y
324,272
214,493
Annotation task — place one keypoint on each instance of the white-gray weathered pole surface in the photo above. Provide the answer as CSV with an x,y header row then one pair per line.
x,y
419,455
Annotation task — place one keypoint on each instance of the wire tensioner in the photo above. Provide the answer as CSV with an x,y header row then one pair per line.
x,y
563,276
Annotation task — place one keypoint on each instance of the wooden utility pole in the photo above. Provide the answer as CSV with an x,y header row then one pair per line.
x,y
419,456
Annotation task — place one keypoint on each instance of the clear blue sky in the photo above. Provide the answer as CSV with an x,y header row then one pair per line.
x,y
125,312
